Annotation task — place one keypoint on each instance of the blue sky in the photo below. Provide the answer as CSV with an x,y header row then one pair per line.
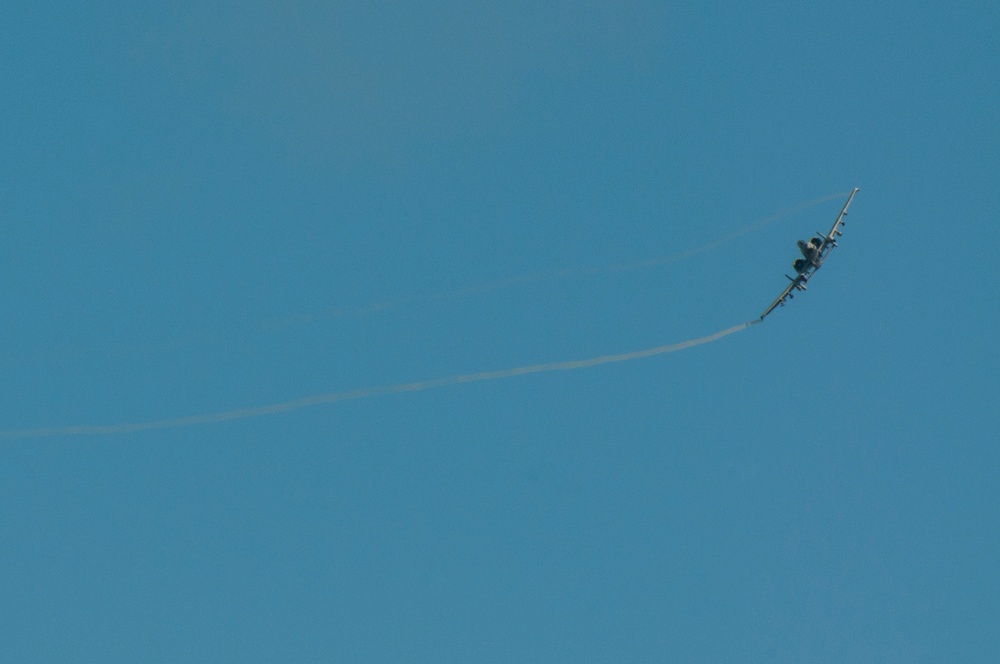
x,y
209,207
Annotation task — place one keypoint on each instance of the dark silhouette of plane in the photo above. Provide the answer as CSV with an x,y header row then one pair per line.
x,y
814,252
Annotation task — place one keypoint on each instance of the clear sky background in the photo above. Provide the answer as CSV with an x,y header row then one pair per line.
x,y
214,206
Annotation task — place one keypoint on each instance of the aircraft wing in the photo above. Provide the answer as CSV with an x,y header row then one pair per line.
x,y
785,294
830,240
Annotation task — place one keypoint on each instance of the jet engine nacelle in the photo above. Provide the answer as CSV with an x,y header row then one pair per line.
x,y
811,247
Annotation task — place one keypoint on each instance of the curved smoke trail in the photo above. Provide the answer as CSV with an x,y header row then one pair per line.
x,y
567,273
52,356
363,393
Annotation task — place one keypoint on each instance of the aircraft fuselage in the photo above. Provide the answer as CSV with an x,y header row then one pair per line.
x,y
810,251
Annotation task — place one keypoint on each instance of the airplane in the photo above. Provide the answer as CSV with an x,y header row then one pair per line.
x,y
814,252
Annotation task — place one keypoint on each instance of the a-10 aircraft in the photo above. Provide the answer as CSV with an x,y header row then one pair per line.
x,y
813,254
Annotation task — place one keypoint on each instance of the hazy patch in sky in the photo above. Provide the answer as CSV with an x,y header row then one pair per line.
x,y
347,84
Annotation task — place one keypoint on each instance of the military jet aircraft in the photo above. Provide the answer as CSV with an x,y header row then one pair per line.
x,y
813,254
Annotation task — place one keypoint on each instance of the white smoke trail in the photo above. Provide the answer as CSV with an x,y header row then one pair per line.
x,y
68,355
363,393
568,273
